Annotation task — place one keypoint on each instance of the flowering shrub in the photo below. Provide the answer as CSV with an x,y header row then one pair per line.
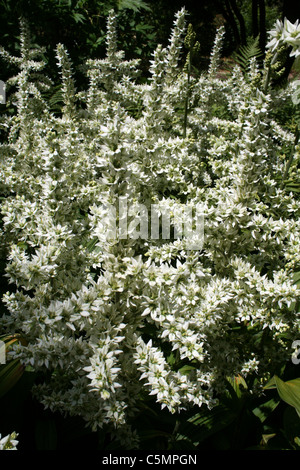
x,y
109,315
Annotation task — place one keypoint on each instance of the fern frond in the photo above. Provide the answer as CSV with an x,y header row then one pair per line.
x,y
56,99
134,5
247,52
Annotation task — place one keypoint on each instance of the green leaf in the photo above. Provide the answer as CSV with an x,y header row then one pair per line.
x,y
292,185
205,423
135,5
186,369
264,410
238,384
271,384
9,375
11,339
296,277
78,17
92,244
247,52
296,95
291,425
288,391
11,372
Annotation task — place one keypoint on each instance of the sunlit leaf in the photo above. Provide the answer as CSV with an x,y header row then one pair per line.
x,y
288,391
11,371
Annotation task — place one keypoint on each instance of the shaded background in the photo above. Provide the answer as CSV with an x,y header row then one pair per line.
x,y
81,24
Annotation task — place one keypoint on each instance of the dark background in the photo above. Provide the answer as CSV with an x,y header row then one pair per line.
x,y
81,24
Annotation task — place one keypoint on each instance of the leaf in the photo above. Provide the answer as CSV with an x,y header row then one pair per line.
x,y
78,17
186,369
91,244
291,424
288,391
11,339
263,411
56,100
11,372
135,5
296,95
296,277
266,438
238,384
9,375
247,52
205,423
271,384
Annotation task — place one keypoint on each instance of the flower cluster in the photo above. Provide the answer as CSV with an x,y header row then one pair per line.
x,y
285,33
105,317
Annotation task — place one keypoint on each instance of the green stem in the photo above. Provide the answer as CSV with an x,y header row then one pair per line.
x,y
268,77
186,105
287,168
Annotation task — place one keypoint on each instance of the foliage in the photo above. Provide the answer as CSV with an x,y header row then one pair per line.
x,y
80,25
11,372
288,391
138,333
247,52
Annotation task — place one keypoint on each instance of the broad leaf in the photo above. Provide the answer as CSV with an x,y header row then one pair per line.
x,y
11,372
288,391
9,375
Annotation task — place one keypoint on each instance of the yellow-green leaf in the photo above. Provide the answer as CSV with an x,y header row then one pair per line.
x,y
288,391
11,372
9,375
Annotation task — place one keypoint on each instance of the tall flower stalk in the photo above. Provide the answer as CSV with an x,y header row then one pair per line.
x,y
193,47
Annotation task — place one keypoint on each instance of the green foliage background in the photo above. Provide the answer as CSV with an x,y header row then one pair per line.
x,y
81,24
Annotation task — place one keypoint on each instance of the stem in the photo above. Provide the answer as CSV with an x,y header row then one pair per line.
x,y
287,169
268,77
186,105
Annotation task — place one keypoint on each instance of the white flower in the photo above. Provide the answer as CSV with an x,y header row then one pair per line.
x,y
275,36
285,33
9,442
291,36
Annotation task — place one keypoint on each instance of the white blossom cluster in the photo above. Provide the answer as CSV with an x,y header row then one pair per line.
x,y
110,318
285,33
